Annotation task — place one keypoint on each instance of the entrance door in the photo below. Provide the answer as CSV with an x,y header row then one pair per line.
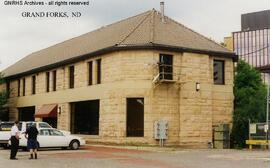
x,y
51,120
27,113
135,117
4,114
85,117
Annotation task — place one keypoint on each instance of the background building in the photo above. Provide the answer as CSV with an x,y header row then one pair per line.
x,y
252,42
228,43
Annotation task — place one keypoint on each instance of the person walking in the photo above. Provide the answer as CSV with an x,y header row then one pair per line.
x,y
15,136
31,136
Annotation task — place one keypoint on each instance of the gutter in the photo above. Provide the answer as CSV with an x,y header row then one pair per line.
x,y
149,46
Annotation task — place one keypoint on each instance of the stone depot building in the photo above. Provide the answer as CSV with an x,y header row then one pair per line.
x,y
112,84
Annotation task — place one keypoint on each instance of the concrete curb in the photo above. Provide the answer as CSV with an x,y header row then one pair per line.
x,y
159,149
142,148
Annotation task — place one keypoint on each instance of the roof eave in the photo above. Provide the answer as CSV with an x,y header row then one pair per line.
x,y
151,46
180,49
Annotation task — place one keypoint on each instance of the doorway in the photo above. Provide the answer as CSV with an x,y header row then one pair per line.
x,y
52,121
26,113
4,114
135,117
85,117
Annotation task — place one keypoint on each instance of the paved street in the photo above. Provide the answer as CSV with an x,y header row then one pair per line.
x,y
96,156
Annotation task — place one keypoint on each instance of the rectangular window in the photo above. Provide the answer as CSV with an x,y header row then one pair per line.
x,y
47,81
19,87
90,73
71,77
54,80
219,72
166,67
23,93
33,84
135,117
8,88
98,71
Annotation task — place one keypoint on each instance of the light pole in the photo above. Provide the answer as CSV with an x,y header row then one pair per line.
x,y
267,111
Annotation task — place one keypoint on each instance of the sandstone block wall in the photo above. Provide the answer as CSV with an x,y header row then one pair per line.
x,y
129,74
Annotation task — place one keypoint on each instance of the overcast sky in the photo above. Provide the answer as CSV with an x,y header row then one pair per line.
x,y
21,36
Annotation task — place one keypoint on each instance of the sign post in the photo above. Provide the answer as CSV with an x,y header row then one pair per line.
x,y
267,114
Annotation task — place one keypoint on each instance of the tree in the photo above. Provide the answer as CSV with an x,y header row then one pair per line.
x,y
250,101
3,96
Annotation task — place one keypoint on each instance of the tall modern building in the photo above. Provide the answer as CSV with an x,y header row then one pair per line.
x,y
252,42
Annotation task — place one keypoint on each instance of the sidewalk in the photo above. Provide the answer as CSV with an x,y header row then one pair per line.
x,y
147,148
157,148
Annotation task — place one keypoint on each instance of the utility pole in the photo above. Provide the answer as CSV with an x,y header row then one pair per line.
x,y
267,112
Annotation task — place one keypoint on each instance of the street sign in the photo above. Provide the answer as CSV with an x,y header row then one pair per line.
x,y
252,129
265,128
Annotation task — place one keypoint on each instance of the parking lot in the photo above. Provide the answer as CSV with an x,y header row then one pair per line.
x,y
99,156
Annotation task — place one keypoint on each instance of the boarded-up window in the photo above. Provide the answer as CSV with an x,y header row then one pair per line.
x,y
90,73
219,72
54,80
98,71
33,84
71,77
135,117
19,87
23,93
47,81
8,88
